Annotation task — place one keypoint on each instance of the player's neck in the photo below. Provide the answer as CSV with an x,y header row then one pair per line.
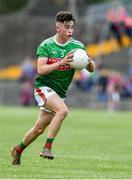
x,y
60,40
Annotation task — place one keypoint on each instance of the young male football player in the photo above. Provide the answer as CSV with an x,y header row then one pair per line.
x,y
51,84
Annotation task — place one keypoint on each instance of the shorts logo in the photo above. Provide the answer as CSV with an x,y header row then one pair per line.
x,y
49,90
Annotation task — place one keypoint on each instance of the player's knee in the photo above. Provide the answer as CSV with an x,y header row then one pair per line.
x,y
38,130
63,112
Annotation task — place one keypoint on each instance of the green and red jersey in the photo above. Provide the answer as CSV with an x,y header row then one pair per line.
x,y
60,79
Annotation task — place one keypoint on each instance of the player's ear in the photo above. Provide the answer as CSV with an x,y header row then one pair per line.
x,y
57,26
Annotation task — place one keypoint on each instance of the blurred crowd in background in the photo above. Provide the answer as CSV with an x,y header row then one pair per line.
x,y
109,86
120,23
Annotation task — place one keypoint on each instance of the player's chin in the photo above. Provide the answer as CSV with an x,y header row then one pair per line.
x,y
68,37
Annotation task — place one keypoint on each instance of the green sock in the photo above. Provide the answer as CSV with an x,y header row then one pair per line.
x,y
22,145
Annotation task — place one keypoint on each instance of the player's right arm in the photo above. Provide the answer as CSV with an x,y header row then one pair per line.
x,y
43,68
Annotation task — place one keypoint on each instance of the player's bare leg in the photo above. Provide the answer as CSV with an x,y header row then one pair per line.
x,y
42,122
57,105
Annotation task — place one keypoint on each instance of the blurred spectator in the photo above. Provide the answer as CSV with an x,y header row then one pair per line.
x,y
28,73
128,27
128,86
114,25
114,84
26,94
102,85
28,70
117,18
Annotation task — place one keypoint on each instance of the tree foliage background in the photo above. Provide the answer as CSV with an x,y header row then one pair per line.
x,y
9,6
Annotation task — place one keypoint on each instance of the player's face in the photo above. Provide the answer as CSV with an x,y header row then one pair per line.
x,y
65,30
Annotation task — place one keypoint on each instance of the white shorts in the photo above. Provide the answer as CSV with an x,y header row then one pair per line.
x,y
41,95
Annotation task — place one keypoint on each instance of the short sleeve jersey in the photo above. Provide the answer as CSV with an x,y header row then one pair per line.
x,y
60,79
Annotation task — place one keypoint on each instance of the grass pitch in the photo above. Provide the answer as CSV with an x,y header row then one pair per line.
x,y
91,144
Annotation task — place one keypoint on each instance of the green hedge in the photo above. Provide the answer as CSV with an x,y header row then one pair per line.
x,y
8,6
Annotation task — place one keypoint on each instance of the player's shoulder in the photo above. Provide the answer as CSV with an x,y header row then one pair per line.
x,y
47,41
77,42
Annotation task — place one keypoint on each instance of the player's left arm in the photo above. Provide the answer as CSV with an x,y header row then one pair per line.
x,y
91,65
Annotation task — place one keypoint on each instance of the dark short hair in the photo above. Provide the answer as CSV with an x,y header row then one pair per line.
x,y
63,16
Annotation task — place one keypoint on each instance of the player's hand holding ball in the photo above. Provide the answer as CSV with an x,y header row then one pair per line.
x,y
67,59
80,59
